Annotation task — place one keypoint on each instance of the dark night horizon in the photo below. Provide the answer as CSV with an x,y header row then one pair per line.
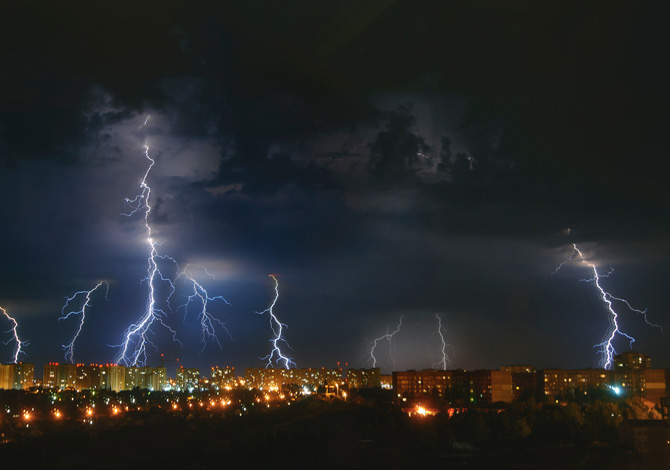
x,y
383,160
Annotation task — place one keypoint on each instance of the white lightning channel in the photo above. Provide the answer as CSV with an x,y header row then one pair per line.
x,y
15,336
133,349
276,355
605,347
444,361
200,295
388,337
86,294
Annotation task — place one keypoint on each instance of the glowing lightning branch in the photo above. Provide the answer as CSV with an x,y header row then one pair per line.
x,y
133,348
15,333
442,364
200,295
132,351
276,356
606,348
69,348
388,336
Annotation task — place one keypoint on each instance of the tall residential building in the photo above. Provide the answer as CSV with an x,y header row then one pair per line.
x,y
524,380
222,378
113,377
149,378
153,378
24,376
188,378
133,378
629,372
412,382
7,376
632,360
386,381
559,383
19,376
490,386
59,376
478,386
50,375
275,379
67,376
655,385
87,377
364,378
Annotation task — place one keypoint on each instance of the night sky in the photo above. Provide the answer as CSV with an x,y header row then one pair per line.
x,y
383,159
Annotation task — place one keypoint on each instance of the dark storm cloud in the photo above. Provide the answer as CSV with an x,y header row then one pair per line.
x,y
319,140
397,152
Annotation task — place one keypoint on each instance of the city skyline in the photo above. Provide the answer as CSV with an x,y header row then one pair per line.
x,y
403,165
344,367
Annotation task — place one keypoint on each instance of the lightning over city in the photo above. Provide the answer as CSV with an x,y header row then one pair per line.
x,y
81,311
276,356
606,347
444,357
200,295
133,349
324,232
15,337
389,338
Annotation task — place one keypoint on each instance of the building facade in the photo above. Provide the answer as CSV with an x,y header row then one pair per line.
x,y
188,378
223,378
113,377
364,378
275,379
19,376
564,383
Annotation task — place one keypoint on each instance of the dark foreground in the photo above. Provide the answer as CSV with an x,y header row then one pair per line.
x,y
311,433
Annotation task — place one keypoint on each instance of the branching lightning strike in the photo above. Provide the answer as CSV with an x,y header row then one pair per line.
x,y
389,337
133,348
69,348
132,351
200,295
15,334
276,356
605,347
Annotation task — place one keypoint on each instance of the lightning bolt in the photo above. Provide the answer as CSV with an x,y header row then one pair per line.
x,y
133,349
276,356
605,347
14,330
135,339
69,348
201,296
388,336
442,364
